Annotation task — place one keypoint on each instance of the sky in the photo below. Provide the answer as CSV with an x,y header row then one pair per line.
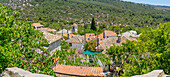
x,y
152,2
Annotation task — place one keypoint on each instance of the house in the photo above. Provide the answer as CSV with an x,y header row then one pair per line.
x,y
107,34
130,34
74,28
68,35
79,71
47,29
76,42
37,25
63,31
53,41
89,36
108,42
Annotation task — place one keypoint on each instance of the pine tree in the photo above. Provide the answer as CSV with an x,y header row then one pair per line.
x,y
93,26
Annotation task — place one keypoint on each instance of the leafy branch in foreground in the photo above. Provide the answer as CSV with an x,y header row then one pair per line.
x,y
19,43
150,52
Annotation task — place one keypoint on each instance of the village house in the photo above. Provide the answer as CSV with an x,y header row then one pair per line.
x,y
68,35
80,71
47,29
53,41
130,34
74,28
107,34
63,31
107,43
76,42
89,36
37,25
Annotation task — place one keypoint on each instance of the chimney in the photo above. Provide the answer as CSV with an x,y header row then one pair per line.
x,y
119,38
68,35
104,33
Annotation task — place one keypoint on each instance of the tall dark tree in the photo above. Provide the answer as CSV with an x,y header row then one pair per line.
x,y
93,25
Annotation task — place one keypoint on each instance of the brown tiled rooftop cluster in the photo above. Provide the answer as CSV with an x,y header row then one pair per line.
x,y
78,70
107,33
66,35
76,39
108,42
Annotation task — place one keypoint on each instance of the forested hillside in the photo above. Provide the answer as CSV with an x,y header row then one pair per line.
x,y
109,12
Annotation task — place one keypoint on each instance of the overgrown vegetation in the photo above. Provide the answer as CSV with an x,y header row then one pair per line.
x,y
18,41
150,52
54,13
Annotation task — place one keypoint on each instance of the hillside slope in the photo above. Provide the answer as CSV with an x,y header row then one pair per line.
x,y
78,11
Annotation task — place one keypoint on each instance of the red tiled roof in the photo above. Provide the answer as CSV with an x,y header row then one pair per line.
x,y
66,34
49,29
37,24
107,33
78,70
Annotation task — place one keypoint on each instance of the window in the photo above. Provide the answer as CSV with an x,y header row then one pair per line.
x,y
88,38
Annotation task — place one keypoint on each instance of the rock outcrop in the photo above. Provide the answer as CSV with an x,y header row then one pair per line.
x,y
18,72
154,73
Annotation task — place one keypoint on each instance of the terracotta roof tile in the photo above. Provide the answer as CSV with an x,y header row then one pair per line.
x,y
107,33
78,70
47,29
110,33
66,34
37,24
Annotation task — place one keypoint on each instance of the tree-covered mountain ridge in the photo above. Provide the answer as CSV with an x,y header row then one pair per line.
x,y
107,12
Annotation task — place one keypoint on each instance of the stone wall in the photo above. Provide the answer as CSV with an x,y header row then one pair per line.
x,y
18,72
154,73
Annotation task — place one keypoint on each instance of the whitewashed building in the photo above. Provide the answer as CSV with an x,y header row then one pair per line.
x,y
53,41
76,42
37,25
131,33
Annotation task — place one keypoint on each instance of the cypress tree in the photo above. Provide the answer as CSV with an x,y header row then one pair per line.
x,y
93,26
